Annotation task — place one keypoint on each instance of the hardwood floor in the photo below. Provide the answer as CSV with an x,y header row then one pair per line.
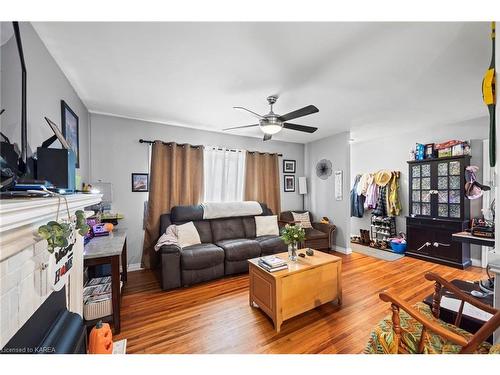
x,y
215,317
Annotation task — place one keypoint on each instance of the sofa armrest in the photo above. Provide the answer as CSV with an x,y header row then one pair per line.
x,y
170,266
326,228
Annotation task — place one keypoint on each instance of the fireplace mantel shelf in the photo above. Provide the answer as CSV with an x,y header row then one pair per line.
x,y
20,218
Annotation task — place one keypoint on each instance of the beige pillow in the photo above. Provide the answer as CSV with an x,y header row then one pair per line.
x,y
266,226
187,235
303,219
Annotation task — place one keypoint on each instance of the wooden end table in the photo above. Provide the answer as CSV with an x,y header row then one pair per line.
x,y
109,250
307,283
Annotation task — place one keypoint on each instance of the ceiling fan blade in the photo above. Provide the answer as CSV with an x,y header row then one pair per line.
x,y
240,127
252,112
310,109
300,128
267,137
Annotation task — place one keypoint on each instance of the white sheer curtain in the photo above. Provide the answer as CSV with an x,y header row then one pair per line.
x,y
224,174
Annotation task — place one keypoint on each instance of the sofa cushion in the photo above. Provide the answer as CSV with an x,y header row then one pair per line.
x,y
314,234
249,226
187,235
240,249
271,245
226,229
266,226
182,214
201,256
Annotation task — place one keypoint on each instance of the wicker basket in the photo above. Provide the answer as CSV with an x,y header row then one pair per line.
x,y
97,310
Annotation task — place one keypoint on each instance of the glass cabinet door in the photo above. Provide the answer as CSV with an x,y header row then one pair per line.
x,y
449,194
421,189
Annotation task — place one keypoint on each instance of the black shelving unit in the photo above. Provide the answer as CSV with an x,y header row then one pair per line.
x,y
382,227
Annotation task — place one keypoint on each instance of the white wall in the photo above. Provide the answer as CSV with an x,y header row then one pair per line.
x,y
392,152
46,86
116,153
321,198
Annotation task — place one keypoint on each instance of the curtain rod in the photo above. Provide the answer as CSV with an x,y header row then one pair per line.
x,y
220,149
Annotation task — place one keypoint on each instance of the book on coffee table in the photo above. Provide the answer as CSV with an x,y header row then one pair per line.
x,y
272,269
273,261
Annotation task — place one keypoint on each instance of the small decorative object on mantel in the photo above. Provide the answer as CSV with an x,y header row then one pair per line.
x,y
324,169
140,182
289,166
292,235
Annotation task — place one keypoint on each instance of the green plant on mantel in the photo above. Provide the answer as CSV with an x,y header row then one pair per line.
x,y
57,234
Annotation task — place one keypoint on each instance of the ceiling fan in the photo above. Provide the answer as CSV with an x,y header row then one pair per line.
x,y
272,123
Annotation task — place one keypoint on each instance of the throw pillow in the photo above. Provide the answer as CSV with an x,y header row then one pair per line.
x,y
303,219
266,226
188,235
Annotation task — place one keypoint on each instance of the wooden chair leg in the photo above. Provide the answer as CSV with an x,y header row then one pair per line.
x,y
422,340
396,326
436,300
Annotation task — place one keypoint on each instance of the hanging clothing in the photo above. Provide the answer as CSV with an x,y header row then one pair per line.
x,y
393,202
381,208
371,194
363,184
357,201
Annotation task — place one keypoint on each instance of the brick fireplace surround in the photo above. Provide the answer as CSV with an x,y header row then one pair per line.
x,y
24,284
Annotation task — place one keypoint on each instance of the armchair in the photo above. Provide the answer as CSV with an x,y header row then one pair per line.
x,y
418,329
320,236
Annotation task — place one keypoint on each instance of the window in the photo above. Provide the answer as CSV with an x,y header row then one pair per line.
x,y
224,174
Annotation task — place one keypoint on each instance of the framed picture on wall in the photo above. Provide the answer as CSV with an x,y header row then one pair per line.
x,y
289,183
140,182
69,124
289,166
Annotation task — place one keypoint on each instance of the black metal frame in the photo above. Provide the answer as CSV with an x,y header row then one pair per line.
x,y
284,183
65,107
289,161
132,180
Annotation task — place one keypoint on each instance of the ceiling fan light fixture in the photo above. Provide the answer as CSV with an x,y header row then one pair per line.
x,y
271,127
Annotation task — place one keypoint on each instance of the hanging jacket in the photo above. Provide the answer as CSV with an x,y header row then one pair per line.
x,y
381,208
357,201
371,194
393,202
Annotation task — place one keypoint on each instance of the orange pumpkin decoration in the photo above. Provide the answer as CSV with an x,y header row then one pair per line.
x,y
109,227
101,339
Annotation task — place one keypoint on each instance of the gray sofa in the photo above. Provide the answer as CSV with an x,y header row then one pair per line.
x,y
227,244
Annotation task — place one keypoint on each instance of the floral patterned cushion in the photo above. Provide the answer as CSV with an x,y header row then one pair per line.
x,y
381,339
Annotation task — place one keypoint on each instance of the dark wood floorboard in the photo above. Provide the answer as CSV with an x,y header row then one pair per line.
x,y
215,317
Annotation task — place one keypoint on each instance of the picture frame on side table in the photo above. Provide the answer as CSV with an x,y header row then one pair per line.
x,y
289,166
70,129
289,183
140,182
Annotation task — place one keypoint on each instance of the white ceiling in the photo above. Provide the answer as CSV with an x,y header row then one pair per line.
x,y
363,77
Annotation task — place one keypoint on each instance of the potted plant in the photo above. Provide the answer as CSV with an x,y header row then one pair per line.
x,y
292,235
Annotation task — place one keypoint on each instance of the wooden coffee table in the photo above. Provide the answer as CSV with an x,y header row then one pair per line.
x,y
307,283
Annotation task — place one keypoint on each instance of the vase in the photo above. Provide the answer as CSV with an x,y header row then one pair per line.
x,y
292,252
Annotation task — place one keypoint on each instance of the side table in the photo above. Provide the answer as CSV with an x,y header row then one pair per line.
x,y
109,250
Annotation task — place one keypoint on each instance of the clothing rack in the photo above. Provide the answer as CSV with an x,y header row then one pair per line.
x,y
198,146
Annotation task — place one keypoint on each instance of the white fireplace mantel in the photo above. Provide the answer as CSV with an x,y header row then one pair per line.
x,y
20,218
24,279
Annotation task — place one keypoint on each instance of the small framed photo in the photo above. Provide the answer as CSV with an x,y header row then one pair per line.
x,y
289,166
289,183
70,125
429,151
140,182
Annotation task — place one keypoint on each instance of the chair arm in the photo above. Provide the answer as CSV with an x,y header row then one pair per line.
x,y
325,228
170,249
426,322
431,276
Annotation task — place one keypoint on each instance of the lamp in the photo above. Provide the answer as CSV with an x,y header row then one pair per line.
x,y
271,125
303,190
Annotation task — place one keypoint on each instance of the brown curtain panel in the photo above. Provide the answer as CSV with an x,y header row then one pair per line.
x,y
176,179
262,182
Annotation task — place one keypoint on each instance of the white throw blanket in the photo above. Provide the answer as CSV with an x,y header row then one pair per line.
x,y
215,210
168,238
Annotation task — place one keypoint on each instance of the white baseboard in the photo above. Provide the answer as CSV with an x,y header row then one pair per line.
x,y
342,250
134,267
476,263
